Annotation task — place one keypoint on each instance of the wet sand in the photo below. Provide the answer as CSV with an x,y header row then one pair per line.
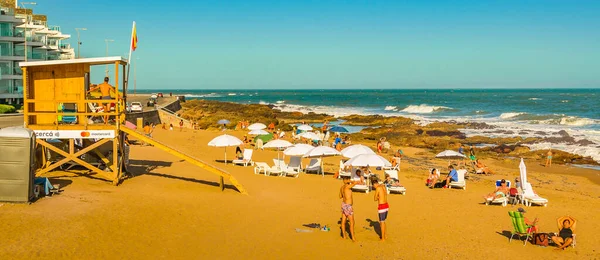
x,y
172,209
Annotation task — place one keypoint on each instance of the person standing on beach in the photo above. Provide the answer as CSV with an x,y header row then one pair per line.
x,y
105,89
181,125
382,205
347,211
549,158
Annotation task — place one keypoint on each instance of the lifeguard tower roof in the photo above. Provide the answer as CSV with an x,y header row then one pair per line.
x,y
89,61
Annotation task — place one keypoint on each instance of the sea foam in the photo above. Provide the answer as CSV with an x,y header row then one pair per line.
x,y
390,108
423,109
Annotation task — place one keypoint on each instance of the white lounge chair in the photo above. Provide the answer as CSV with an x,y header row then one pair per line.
x,y
461,180
394,175
259,144
284,169
314,165
502,200
343,173
529,197
247,158
360,187
265,168
295,163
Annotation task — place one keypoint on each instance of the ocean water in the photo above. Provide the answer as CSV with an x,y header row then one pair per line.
x,y
517,112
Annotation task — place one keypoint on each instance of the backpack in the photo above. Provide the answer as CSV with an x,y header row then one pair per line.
x,y
540,239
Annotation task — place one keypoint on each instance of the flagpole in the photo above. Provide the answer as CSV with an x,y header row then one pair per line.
x,y
129,60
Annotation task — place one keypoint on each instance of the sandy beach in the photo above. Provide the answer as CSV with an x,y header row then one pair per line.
x,y
172,209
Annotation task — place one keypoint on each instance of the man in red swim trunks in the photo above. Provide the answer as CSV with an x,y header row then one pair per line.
x,y
382,204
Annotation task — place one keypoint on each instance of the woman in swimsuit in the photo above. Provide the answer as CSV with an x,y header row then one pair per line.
x,y
565,235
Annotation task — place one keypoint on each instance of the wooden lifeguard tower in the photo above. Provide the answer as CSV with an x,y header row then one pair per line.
x,y
58,107
68,121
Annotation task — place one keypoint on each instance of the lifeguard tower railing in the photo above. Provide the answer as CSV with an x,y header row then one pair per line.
x,y
69,121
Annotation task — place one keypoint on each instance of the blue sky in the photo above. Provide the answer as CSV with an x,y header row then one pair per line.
x,y
343,44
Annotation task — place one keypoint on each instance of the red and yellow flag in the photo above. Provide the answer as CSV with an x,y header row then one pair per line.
x,y
134,38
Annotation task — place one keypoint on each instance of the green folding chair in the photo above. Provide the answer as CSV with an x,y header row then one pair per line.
x,y
519,226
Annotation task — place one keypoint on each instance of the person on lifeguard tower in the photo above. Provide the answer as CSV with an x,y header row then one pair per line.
x,y
105,89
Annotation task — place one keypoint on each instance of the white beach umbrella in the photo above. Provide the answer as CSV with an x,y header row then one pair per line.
x,y
224,141
523,170
305,128
362,160
449,154
355,150
258,132
320,152
257,126
310,136
298,149
279,143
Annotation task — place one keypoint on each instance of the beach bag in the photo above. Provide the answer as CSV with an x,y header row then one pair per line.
x,y
540,239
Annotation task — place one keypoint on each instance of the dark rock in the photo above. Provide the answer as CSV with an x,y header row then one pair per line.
x,y
523,133
540,133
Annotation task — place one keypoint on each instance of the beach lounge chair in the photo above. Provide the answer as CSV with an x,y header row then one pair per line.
x,y
519,226
69,108
503,200
560,220
314,165
96,109
259,144
295,163
461,180
265,168
343,173
284,169
394,175
247,159
360,187
529,197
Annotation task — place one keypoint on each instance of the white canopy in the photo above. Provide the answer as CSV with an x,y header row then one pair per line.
x,y
322,151
449,154
374,160
279,143
354,150
257,126
258,132
298,149
224,141
305,128
310,135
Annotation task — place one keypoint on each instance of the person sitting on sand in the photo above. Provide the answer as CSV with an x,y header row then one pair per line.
x,y
452,176
565,233
482,168
148,130
500,192
238,153
434,175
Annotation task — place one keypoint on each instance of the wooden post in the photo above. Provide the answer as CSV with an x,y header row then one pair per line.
x,y
115,162
25,97
140,124
221,183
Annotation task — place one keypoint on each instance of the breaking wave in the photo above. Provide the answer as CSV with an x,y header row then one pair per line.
x,y
423,109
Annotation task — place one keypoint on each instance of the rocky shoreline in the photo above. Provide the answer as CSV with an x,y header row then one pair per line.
x,y
399,131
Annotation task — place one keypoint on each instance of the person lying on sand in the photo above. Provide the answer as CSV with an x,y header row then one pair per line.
x,y
500,192
347,210
565,234
433,177
482,168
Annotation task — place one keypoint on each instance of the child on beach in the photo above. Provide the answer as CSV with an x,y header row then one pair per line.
x,y
382,205
347,211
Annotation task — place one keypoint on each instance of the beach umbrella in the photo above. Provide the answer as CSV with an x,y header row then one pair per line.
x,y
449,154
258,132
257,126
279,143
298,149
223,122
320,152
523,170
224,141
310,136
355,150
338,129
363,160
305,128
